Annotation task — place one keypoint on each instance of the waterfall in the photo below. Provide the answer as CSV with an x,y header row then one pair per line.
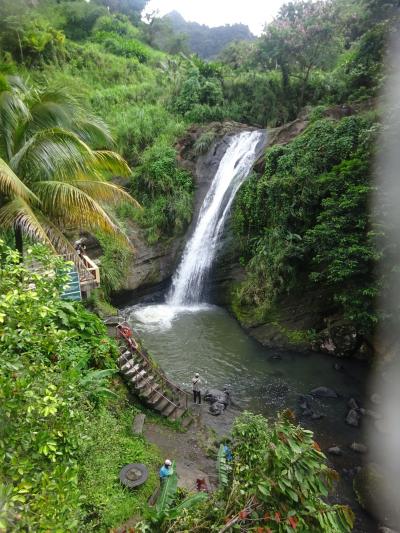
x,y
188,281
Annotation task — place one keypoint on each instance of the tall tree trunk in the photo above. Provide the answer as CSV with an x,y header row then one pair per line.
x,y
19,243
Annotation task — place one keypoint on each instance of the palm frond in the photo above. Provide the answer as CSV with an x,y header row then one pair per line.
x,y
111,162
12,111
190,501
60,243
69,205
103,191
11,185
18,214
53,152
94,131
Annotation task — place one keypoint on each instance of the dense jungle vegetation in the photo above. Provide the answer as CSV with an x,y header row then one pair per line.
x,y
93,102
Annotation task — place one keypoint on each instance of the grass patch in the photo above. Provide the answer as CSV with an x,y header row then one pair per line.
x,y
109,445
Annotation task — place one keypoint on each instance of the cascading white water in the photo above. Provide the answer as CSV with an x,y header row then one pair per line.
x,y
200,250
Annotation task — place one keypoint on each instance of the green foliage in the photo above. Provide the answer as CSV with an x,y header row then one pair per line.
x,y
64,432
165,190
114,263
141,126
108,446
130,8
198,85
122,46
362,66
204,142
306,220
341,243
79,17
32,40
278,482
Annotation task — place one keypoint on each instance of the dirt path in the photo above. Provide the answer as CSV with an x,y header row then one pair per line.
x,y
194,451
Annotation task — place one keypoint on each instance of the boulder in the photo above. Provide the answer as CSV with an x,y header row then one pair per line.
x,y
364,352
352,404
358,447
384,529
353,418
138,422
335,450
317,416
340,338
215,395
217,408
324,392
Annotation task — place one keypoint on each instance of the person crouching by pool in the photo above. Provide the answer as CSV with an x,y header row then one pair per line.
x,y
166,470
196,388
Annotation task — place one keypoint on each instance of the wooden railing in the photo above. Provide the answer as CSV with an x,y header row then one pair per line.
x,y
87,269
179,396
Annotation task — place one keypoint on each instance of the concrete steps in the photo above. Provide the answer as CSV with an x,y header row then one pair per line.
x,y
147,382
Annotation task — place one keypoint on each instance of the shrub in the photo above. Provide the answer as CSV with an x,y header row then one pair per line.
x,y
306,220
165,190
277,482
64,434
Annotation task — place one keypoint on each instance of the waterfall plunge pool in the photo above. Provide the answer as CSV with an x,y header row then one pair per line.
x,y
206,339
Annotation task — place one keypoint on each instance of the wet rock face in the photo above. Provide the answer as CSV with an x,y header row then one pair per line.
x,y
339,338
154,264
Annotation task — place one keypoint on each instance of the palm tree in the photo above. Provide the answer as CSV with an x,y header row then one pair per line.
x,y
51,179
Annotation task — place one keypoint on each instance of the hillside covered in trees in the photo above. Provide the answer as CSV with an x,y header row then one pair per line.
x,y
95,105
208,42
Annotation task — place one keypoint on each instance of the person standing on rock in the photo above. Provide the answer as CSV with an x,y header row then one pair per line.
x,y
196,388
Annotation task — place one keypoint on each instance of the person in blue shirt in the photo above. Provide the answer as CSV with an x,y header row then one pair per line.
x,y
166,470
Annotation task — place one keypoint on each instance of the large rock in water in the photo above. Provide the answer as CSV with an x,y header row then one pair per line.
x,y
353,418
217,408
324,392
215,395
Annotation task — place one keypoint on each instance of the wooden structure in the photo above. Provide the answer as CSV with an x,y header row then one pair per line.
x,y
146,380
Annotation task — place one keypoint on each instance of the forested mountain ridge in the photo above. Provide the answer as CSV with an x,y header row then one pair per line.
x,y
208,42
